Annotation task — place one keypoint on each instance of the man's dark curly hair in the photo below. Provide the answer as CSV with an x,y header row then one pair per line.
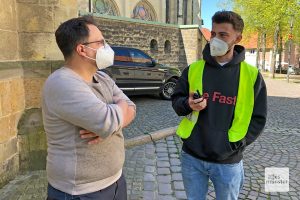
x,y
229,17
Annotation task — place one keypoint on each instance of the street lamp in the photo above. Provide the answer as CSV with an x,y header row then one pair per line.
x,y
90,6
290,47
290,39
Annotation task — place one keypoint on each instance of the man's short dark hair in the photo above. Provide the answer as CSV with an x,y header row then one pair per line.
x,y
73,32
229,17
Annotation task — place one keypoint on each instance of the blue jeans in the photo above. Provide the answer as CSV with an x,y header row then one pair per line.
x,y
116,191
227,178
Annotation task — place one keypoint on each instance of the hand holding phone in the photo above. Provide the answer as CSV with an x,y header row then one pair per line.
x,y
196,101
197,95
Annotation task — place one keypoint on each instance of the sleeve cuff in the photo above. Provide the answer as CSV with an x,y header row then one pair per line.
x,y
119,114
187,106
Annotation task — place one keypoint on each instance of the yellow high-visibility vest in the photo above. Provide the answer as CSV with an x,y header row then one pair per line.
x,y
244,103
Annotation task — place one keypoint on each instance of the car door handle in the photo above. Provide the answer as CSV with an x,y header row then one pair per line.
x,y
126,73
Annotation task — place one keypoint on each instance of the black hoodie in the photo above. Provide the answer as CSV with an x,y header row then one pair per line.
x,y
209,138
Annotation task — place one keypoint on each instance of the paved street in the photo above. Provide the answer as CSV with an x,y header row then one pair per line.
x,y
153,170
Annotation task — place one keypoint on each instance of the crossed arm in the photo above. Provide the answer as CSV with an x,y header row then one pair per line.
x,y
68,98
128,114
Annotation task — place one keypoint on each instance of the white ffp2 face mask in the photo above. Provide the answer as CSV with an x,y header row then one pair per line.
x,y
218,47
104,56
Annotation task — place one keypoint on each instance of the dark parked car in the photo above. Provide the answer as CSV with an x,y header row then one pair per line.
x,y
135,72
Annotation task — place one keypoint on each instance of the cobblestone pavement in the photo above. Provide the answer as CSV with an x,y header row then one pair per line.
x,y
152,114
153,170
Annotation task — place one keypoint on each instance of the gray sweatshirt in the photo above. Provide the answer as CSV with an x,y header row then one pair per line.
x,y
70,104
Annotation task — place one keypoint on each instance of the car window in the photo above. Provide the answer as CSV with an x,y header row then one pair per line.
x,y
139,56
121,54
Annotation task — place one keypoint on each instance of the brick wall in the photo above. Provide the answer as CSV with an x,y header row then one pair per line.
x,y
185,40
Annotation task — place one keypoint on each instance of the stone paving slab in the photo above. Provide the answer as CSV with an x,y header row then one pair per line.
x,y
281,88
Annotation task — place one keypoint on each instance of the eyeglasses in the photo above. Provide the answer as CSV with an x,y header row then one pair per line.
x,y
101,42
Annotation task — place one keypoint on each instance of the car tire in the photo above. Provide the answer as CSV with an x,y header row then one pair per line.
x,y
168,89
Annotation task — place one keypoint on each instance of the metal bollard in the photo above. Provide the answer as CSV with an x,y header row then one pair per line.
x,y
289,71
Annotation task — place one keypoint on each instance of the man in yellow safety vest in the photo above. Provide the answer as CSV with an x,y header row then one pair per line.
x,y
224,101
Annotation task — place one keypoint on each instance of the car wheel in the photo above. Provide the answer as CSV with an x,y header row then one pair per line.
x,y
168,89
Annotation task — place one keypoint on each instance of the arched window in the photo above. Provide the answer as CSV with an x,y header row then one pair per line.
x,y
153,46
145,11
106,7
167,46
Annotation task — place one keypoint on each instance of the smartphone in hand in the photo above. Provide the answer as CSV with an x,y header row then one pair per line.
x,y
197,95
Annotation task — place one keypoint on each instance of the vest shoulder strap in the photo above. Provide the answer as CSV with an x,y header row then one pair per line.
x,y
244,103
252,71
195,76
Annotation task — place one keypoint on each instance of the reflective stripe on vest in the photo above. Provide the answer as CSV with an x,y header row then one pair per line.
x,y
244,103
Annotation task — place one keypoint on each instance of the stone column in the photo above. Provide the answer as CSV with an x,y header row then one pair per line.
x,y
191,38
11,91
162,8
180,12
189,12
197,12
173,11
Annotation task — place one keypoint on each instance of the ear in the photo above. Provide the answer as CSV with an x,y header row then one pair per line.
x,y
80,50
239,38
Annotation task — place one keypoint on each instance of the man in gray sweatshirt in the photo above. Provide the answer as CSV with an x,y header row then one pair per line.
x,y
84,113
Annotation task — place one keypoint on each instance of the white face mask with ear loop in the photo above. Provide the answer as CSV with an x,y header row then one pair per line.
x,y
104,56
218,47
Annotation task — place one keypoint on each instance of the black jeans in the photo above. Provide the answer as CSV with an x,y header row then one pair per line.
x,y
116,191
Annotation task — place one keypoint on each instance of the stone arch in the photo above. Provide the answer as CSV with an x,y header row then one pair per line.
x,y
32,141
153,46
167,46
144,11
106,7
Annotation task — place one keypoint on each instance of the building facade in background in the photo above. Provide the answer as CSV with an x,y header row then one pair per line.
x,y
165,11
161,28
250,44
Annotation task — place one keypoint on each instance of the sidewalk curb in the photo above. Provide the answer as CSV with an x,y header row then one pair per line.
x,y
280,76
150,137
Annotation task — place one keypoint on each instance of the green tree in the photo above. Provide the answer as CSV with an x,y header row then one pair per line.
x,y
270,18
